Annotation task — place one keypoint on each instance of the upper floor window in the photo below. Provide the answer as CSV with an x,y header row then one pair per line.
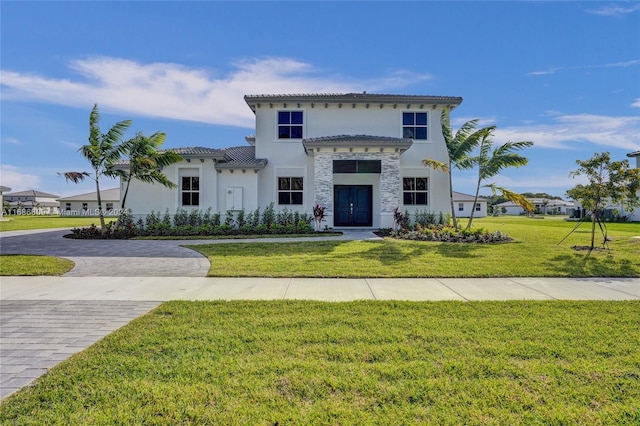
x,y
290,190
414,125
190,190
290,124
414,191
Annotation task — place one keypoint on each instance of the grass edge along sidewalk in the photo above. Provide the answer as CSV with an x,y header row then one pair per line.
x,y
294,362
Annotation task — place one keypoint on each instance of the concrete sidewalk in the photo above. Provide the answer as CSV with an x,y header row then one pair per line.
x,y
45,320
324,289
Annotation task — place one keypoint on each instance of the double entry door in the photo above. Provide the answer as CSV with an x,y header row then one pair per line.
x,y
353,205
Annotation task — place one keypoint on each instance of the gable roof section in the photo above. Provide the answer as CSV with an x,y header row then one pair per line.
x,y
361,141
112,194
633,154
31,193
241,157
450,101
459,196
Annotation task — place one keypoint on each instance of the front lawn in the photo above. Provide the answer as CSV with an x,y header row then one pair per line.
x,y
535,252
23,222
388,363
19,264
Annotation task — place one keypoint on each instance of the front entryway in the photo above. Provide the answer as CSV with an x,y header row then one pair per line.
x,y
353,205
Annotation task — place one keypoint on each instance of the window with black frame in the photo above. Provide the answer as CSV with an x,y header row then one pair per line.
x,y
290,124
415,191
290,190
190,190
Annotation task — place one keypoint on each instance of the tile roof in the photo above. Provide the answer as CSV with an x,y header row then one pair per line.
x,y
241,157
355,97
196,150
357,140
32,193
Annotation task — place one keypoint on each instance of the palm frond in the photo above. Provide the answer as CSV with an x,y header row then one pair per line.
x,y
75,177
514,197
435,164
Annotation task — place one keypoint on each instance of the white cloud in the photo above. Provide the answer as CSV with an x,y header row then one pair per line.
x,y
568,130
68,144
614,10
11,140
168,90
12,177
554,69
636,103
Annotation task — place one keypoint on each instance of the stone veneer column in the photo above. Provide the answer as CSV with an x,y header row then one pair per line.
x,y
323,179
390,184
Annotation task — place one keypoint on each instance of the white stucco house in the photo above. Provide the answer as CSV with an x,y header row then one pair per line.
x,y
87,204
541,206
633,216
357,154
463,205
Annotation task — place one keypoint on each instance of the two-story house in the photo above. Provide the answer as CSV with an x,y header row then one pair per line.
x,y
359,155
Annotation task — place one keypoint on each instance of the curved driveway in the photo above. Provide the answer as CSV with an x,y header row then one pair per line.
x,y
126,258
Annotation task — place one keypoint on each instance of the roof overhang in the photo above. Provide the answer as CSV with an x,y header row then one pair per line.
x,y
353,99
360,143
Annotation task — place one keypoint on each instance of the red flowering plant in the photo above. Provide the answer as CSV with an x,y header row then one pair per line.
x,y
318,216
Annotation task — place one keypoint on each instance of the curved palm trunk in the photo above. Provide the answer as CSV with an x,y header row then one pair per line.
x,y
473,206
124,197
453,212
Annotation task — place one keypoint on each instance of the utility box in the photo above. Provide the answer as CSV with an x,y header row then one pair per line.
x,y
234,198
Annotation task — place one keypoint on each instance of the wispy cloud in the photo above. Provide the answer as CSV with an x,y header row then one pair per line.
x,y
169,90
68,144
554,69
16,179
636,103
567,131
11,140
614,10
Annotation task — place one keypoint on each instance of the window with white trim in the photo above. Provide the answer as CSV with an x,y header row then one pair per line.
x,y
290,124
414,125
460,207
290,190
190,190
415,191
477,207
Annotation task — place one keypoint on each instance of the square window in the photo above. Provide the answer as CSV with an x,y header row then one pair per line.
x,y
414,125
415,191
290,124
290,190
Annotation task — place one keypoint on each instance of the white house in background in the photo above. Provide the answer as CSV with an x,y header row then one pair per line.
x,y
359,155
633,216
463,204
3,189
541,206
32,202
87,204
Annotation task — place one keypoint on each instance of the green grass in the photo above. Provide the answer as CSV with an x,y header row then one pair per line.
x,y
24,222
19,264
535,252
387,363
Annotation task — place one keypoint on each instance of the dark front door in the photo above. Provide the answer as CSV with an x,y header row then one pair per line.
x,y
353,205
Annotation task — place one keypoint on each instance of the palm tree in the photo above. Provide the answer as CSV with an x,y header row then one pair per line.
x,y
146,161
459,146
102,151
492,162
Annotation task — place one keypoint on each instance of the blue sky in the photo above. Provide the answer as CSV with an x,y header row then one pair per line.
x,y
565,75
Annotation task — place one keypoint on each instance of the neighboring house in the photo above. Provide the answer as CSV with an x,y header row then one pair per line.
x,y
3,189
87,204
541,206
359,155
633,216
32,202
463,204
